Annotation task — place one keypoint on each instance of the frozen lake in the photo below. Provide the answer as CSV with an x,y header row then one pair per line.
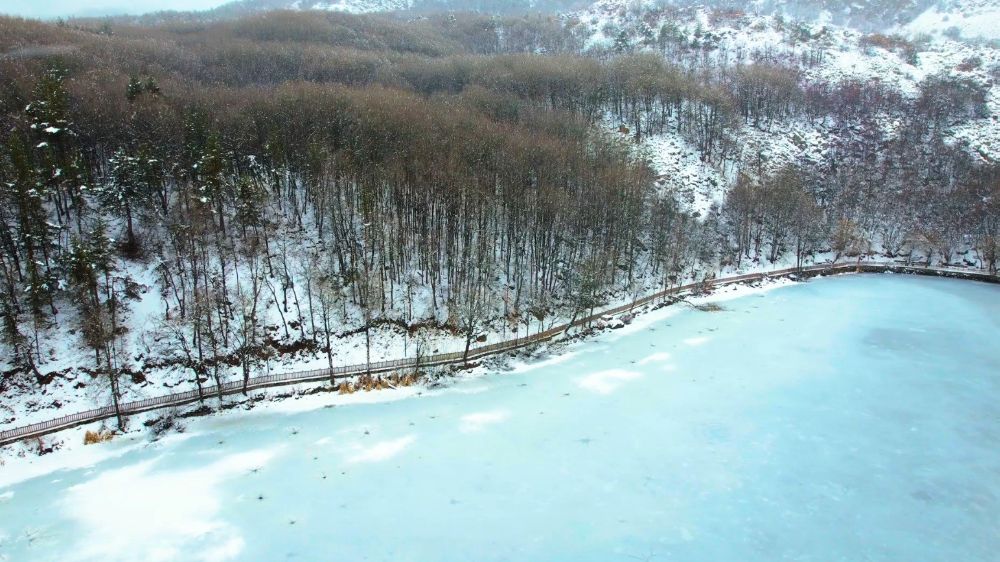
x,y
851,418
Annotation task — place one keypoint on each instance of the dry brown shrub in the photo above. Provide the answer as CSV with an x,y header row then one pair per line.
x,y
92,437
970,63
366,382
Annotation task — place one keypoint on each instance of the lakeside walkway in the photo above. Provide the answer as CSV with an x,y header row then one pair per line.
x,y
347,371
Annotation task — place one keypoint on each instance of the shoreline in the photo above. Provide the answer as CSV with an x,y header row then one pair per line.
x,y
307,395
72,453
779,386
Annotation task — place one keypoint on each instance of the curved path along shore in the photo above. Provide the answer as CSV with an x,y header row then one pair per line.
x,y
851,417
347,371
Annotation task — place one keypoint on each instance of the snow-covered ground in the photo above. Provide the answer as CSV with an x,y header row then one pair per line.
x,y
693,183
71,389
821,52
846,418
352,6
965,18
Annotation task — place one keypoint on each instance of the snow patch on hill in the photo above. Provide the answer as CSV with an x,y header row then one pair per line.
x,y
967,19
353,6
693,183
982,136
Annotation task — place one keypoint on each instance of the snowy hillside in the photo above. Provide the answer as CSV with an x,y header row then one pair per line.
x,y
353,6
865,15
967,19
347,6
242,7
822,55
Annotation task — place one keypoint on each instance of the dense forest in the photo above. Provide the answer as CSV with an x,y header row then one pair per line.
x,y
291,176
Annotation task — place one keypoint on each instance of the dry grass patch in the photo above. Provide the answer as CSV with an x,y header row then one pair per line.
x,y
368,382
92,437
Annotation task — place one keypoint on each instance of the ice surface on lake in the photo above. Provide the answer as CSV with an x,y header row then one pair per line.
x,y
855,418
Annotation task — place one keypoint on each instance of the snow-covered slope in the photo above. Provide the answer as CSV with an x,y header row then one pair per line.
x,y
865,15
821,53
959,18
242,7
348,6
352,6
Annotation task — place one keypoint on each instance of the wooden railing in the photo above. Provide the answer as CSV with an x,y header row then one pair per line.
x,y
236,386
